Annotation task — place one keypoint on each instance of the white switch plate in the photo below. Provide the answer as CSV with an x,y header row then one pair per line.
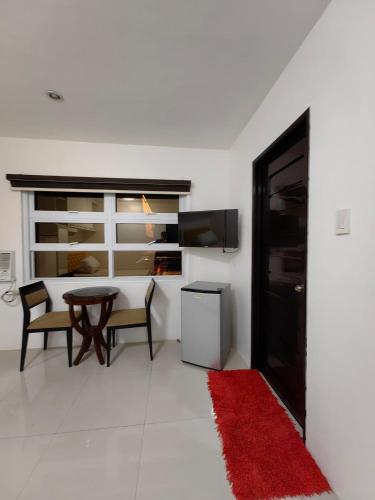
x,y
343,221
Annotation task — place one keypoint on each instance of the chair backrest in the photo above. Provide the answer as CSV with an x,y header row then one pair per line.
x,y
33,295
149,294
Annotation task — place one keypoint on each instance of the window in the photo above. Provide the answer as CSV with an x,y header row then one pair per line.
x,y
69,202
146,233
69,232
146,263
101,235
155,203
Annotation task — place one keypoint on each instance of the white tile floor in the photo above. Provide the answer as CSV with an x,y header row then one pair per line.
x,y
137,430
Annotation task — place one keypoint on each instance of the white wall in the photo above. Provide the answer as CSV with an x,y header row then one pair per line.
x,y
334,74
208,170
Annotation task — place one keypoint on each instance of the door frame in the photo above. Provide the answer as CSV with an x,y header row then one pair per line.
x,y
300,128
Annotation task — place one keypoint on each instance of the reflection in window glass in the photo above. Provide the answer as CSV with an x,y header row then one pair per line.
x,y
75,202
147,203
146,233
68,264
76,232
146,263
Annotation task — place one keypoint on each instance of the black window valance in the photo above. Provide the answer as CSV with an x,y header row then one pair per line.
x,y
102,184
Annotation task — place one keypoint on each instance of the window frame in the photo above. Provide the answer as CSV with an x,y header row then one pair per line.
x,y
109,217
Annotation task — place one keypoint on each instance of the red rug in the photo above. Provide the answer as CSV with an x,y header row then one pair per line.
x,y
265,456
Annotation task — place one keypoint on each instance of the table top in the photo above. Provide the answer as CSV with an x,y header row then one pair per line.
x,y
94,293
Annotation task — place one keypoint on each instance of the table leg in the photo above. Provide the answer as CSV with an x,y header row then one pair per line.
x,y
91,332
85,318
86,342
102,340
98,348
97,331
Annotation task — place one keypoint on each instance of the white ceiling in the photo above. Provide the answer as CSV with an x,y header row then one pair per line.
x,y
158,72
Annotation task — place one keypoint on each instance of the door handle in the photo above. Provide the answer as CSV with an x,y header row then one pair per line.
x,y
299,288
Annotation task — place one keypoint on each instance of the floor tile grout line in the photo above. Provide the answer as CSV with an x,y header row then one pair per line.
x,y
104,428
58,425
63,433
26,436
25,374
148,395
83,379
58,431
139,463
72,404
8,391
84,383
27,480
178,420
56,434
143,435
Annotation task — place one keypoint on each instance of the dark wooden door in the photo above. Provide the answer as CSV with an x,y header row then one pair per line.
x,y
282,258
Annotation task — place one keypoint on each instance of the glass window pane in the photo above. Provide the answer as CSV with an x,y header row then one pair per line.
x,y
75,202
147,263
68,264
75,232
147,203
146,233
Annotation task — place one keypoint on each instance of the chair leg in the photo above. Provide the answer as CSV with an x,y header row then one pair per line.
x,y
149,335
110,334
25,338
45,343
69,344
114,338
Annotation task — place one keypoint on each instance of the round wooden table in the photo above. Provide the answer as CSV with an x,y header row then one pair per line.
x,y
103,295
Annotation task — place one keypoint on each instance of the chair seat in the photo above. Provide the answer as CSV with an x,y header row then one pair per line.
x,y
53,320
125,317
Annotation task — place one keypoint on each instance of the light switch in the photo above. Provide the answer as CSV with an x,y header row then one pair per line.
x,y
343,221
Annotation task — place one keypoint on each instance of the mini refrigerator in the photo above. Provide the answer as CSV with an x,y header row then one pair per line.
x,y
205,324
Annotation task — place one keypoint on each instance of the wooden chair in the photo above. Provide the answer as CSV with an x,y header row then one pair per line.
x,y
34,295
131,318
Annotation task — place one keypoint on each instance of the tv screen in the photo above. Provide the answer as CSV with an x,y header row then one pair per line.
x,y
213,228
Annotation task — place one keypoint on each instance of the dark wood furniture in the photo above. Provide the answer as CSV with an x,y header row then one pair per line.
x,y
102,295
51,321
131,318
280,203
62,182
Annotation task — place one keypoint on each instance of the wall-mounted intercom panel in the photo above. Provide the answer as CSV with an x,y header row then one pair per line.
x,y
7,266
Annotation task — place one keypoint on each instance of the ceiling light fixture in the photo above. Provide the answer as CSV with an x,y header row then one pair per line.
x,y
55,96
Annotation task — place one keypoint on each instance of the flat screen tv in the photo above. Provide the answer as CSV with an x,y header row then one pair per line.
x,y
212,228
